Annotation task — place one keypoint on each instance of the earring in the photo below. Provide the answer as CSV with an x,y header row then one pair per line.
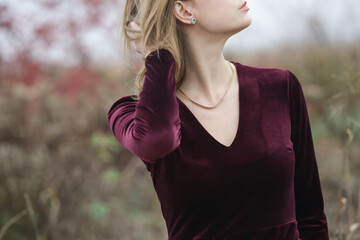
x,y
193,21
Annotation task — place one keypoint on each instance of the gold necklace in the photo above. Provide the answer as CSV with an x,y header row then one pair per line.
x,y
227,89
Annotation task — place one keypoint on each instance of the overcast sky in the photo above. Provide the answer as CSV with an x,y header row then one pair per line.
x,y
274,22
277,21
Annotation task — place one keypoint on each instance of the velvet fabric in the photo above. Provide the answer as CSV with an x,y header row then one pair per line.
x,y
264,186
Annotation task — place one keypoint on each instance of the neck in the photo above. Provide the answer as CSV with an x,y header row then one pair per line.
x,y
207,71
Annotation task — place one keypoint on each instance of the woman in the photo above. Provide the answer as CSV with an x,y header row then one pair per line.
x,y
228,146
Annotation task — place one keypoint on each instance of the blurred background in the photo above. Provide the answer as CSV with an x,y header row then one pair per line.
x,y
63,175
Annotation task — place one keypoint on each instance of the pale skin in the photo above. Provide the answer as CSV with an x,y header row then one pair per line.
x,y
207,71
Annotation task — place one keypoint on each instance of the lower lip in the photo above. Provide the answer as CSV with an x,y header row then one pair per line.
x,y
244,8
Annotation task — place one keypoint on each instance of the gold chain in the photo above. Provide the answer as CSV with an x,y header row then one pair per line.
x,y
227,89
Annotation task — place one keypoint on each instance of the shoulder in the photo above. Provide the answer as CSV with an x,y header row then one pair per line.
x,y
271,81
265,74
125,101
269,76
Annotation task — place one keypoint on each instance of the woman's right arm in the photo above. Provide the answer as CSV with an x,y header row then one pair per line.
x,y
150,127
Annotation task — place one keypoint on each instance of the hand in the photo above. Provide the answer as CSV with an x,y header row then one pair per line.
x,y
137,35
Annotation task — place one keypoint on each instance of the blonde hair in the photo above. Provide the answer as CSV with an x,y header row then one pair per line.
x,y
159,29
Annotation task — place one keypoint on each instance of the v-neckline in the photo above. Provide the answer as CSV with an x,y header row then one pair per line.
x,y
240,125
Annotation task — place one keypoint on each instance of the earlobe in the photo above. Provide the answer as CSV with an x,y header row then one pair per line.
x,y
182,14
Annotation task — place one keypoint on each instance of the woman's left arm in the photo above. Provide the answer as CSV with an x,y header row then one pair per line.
x,y
312,222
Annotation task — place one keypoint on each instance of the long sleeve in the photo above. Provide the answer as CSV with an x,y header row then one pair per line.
x,y
149,127
312,222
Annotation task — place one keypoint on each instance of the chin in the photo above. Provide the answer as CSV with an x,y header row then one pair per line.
x,y
246,22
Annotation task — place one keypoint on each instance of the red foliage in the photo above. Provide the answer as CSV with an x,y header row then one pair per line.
x,y
22,69
42,33
50,4
6,22
79,80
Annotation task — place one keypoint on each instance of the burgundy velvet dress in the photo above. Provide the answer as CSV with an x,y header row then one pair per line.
x,y
264,186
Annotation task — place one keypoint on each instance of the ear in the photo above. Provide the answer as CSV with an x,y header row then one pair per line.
x,y
183,11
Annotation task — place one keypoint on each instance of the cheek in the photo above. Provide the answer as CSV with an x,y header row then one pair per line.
x,y
217,18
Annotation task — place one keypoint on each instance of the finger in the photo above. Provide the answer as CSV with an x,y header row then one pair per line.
x,y
134,35
135,26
